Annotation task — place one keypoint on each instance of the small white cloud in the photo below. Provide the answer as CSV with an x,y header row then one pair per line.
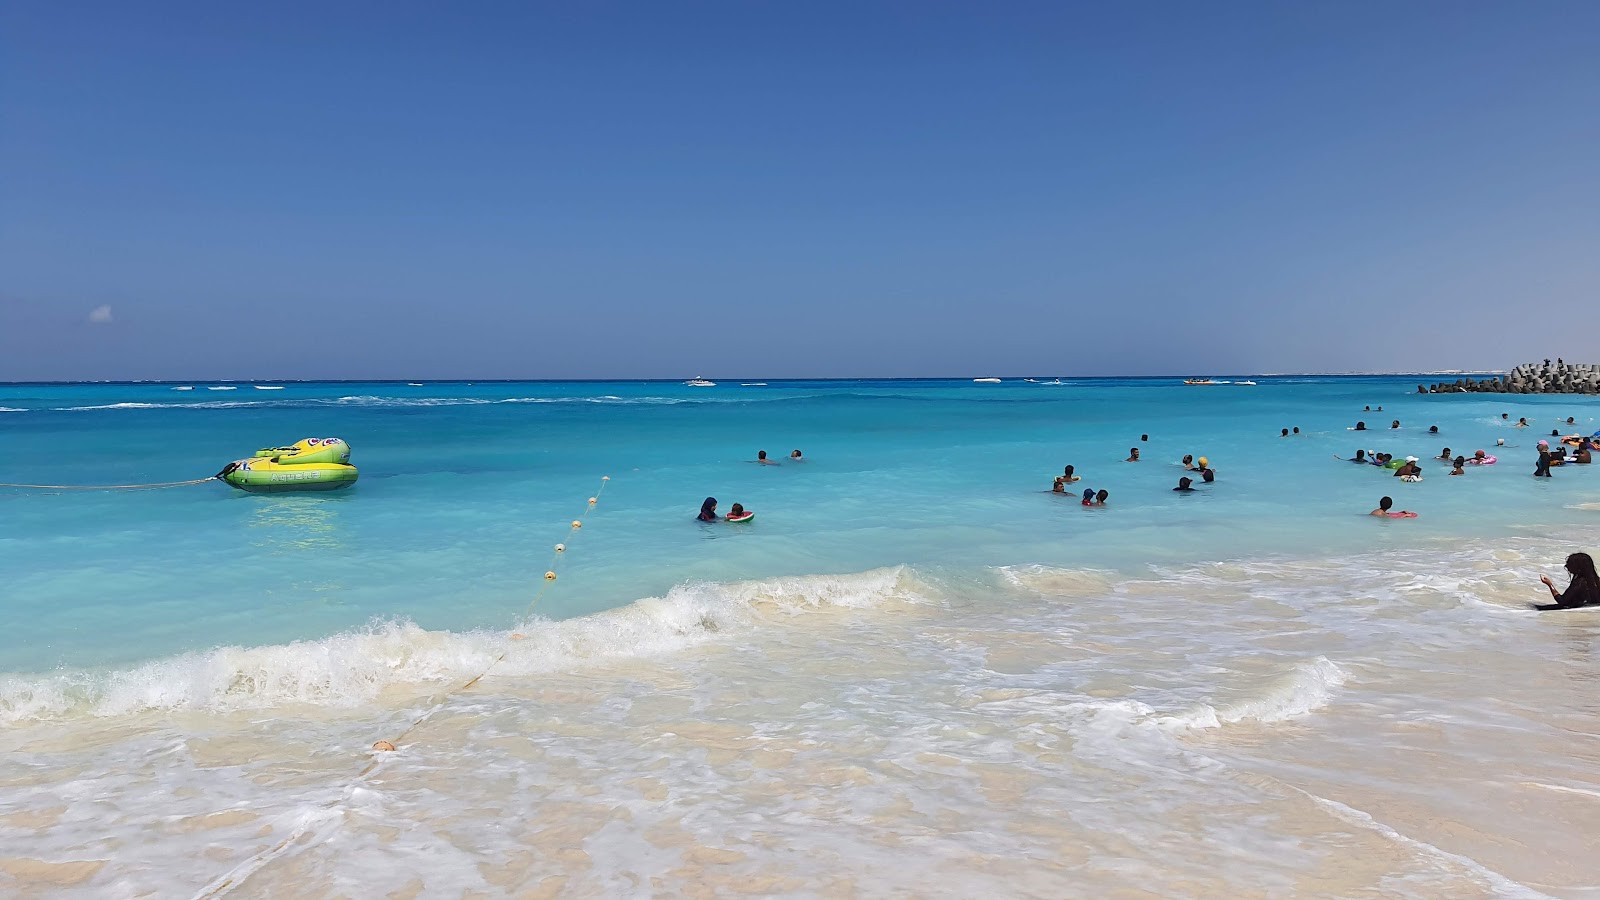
x,y
100,315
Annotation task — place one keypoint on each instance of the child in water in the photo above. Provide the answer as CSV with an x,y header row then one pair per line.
x,y
1100,498
1088,496
1460,466
1383,510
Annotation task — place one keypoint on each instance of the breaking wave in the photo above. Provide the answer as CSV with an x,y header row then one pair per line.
x,y
354,667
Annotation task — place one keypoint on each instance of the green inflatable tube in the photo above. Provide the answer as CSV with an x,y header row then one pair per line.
x,y
268,476
309,450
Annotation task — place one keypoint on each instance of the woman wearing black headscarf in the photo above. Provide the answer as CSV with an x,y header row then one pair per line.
x,y
1584,590
708,510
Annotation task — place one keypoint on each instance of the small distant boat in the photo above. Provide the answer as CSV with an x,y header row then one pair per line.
x,y
986,380
1246,383
1202,381
184,387
267,387
700,382
414,383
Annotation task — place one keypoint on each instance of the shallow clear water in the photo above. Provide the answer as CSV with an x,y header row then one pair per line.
x,y
914,671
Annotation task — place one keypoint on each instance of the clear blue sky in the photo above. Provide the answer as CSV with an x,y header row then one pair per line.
x,y
795,189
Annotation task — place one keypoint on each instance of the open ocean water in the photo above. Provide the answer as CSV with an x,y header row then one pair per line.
x,y
916,673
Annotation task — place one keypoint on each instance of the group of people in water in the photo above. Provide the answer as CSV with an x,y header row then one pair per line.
x,y
737,512
1091,497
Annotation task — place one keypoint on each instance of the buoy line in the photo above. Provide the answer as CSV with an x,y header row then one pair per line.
x,y
236,876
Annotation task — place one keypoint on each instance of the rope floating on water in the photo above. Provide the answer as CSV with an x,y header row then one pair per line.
x,y
108,487
244,870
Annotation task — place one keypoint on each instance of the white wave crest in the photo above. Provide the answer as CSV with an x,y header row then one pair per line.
x,y
374,401
354,667
11,409
1308,687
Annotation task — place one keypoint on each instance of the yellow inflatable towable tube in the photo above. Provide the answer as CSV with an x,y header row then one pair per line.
x,y
313,464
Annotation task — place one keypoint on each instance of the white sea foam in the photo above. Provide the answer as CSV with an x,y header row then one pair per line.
x,y
1307,688
354,667
11,409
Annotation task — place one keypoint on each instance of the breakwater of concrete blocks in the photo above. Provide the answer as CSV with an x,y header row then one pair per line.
x,y
1559,377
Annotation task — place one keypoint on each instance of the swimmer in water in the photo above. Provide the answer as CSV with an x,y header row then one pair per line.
x,y
1361,426
1068,477
1505,417
1060,486
794,456
1088,496
1133,455
1410,468
1146,437
1188,461
1206,475
1445,454
1285,433
1460,466
1297,429
708,510
761,457
735,512
1521,423
1100,498
1479,457
1395,425
1366,409
1570,421
1384,506
1361,457
1185,484
1433,429
1583,590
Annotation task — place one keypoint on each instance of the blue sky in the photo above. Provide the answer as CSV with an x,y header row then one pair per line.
x,y
760,189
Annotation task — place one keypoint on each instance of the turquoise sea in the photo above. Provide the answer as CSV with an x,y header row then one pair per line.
x,y
915,672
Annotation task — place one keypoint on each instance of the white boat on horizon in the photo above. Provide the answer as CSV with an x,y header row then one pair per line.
x,y
1202,381
986,380
267,387
184,387
700,382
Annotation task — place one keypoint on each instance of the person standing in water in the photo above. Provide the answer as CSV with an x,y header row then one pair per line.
x,y
1460,466
1583,590
1060,486
794,456
1100,498
1542,469
1185,484
1088,496
1133,455
1206,475
708,510
1068,477
1385,504
1445,454
1188,461
761,457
